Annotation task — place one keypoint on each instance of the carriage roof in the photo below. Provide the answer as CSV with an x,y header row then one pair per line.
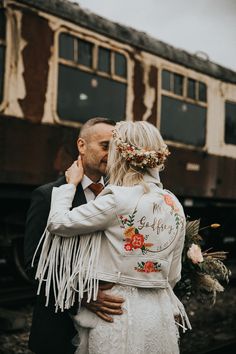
x,y
72,12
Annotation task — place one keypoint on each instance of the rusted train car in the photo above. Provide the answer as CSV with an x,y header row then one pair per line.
x,y
61,65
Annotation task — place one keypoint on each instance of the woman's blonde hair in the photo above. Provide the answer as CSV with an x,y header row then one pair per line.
x,y
140,134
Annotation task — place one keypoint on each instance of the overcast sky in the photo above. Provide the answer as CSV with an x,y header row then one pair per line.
x,y
207,26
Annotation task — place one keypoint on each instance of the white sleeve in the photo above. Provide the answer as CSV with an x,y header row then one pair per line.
x,y
176,264
93,216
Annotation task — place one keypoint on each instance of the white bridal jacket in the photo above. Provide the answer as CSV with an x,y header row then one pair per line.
x,y
127,237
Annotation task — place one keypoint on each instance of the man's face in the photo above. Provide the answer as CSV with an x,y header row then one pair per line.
x,y
93,150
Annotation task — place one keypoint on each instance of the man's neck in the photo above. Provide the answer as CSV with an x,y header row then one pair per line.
x,y
97,180
94,177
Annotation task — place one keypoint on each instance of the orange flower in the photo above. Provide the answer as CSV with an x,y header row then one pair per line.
x,y
169,201
137,241
149,267
129,232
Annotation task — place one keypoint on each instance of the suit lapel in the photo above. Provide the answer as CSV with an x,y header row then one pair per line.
x,y
79,197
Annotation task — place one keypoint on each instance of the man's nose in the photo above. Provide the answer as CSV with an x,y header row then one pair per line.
x,y
105,157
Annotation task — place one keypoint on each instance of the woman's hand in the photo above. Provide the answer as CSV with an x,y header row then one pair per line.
x,y
75,172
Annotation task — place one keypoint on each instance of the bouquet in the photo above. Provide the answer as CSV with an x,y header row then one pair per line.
x,y
202,271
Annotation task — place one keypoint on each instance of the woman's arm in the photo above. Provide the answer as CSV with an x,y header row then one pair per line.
x,y
176,264
93,216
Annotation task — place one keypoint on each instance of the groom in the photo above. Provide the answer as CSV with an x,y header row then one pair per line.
x,y
52,333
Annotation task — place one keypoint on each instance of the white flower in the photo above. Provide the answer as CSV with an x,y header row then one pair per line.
x,y
194,253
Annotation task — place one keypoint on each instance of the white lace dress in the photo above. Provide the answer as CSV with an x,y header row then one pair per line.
x,y
146,326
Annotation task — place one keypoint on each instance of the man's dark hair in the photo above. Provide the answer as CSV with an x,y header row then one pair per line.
x,y
94,121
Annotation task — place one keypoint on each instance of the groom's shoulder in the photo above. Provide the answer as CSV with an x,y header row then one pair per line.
x,y
47,188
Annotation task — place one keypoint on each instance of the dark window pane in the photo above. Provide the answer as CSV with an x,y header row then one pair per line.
x,y
166,80
178,84
104,60
66,46
120,65
183,122
230,123
85,53
191,89
2,24
2,65
202,95
83,95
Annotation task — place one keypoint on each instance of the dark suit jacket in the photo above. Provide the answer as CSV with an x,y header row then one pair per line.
x,y
51,333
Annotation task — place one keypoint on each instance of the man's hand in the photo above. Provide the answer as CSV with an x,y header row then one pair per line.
x,y
105,304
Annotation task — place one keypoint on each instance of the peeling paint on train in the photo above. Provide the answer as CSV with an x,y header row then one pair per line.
x,y
36,55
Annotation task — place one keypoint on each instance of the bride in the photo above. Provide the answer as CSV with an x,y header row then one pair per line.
x,y
132,235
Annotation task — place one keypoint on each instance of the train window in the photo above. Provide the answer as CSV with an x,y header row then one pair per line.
x,y
172,82
166,80
183,109
83,89
85,51
66,47
82,95
120,65
2,51
230,123
191,89
183,121
202,92
178,84
104,60
175,83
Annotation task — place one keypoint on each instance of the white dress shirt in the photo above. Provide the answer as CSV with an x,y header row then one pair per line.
x,y
86,181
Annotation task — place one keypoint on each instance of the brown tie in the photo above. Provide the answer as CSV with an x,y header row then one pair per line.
x,y
96,188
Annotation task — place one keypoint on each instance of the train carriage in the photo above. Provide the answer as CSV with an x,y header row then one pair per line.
x,y
61,65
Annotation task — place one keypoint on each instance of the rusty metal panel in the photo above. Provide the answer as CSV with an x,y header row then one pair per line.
x,y
139,107
33,154
191,173
36,54
226,178
142,41
154,85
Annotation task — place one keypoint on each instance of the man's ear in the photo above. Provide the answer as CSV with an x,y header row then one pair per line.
x,y
81,144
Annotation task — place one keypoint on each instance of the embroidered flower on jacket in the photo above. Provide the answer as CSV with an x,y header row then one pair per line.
x,y
169,201
133,239
128,246
137,241
174,210
148,267
129,232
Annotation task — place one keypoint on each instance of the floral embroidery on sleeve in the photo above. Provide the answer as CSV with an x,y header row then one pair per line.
x,y
148,267
133,240
174,210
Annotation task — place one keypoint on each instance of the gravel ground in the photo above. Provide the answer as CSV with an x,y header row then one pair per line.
x,y
211,327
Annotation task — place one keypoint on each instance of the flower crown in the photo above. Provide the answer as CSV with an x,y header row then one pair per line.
x,y
140,157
